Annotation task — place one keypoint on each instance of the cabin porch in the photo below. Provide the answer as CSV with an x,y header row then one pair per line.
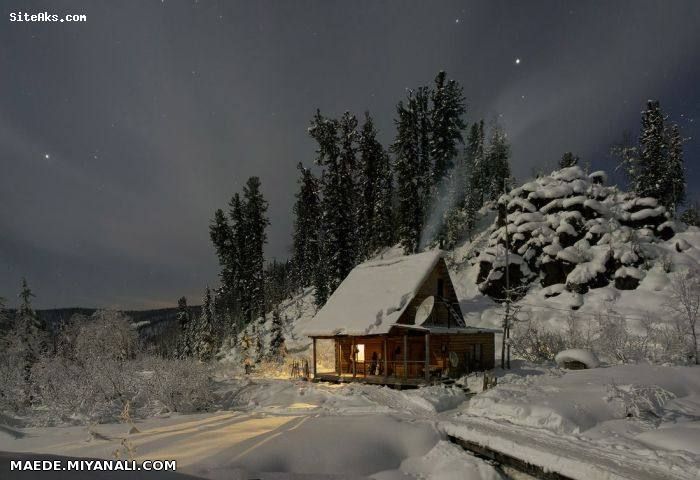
x,y
404,357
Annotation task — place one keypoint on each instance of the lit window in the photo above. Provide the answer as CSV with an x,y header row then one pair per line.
x,y
360,353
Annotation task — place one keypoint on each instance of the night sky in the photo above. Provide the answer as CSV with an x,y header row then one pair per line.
x,y
120,136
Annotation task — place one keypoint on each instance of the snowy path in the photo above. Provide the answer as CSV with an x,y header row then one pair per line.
x,y
573,455
237,445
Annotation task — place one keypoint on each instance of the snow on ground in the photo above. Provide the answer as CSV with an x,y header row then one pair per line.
x,y
280,429
625,421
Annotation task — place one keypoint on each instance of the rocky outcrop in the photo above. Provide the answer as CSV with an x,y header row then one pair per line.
x,y
568,230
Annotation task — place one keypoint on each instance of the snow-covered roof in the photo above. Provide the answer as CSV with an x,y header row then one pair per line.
x,y
373,296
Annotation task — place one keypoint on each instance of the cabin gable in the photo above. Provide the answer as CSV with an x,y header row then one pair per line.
x,y
436,282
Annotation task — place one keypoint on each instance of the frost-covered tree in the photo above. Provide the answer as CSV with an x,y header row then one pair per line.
x,y
29,331
385,227
685,304
307,223
568,160
497,163
691,216
184,342
371,184
409,174
276,350
336,151
648,172
255,222
203,345
674,172
448,107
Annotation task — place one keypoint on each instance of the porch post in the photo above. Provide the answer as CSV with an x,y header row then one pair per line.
x,y
353,357
405,356
427,357
314,349
386,360
340,357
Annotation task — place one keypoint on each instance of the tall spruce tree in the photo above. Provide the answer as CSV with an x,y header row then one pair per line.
x,y
447,125
31,332
203,341
370,183
674,172
255,222
184,343
497,159
568,160
407,165
307,224
385,227
421,108
240,299
336,151
222,237
648,173
276,350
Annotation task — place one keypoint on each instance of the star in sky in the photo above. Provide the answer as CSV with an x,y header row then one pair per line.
x,y
517,61
47,156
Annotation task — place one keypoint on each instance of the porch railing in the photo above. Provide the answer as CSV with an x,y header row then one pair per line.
x,y
411,369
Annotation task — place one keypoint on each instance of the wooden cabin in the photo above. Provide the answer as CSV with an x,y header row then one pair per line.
x,y
398,322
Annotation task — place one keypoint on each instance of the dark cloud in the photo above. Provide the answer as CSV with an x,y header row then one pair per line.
x,y
154,113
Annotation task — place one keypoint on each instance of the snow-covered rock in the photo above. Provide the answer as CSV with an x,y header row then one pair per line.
x,y
570,228
586,357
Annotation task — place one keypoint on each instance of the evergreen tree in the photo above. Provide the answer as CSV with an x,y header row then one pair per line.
x,y
184,344
307,223
648,173
336,141
29,331
385,227
568,160
204,341
240,300
276,350
406,147
691,216
497,163
253,234
222,236
674,173
371,181
425,181
447,125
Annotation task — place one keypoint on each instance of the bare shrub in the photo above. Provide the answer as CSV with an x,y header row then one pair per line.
x,y
685,306
533,342
182,385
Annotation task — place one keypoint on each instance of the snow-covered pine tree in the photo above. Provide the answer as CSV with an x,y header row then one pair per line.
x,y
184,347
385,234
240,298
498,166
424,123
222,236
276,350
30,331
674,172
568,160
448,107
649,172
307,223
255,222
370,182
336,151
203,345
691,216
407,165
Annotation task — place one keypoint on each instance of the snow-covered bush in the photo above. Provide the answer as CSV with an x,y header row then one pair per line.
x,y
182,385
534,342
685,305
99,371
13,367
